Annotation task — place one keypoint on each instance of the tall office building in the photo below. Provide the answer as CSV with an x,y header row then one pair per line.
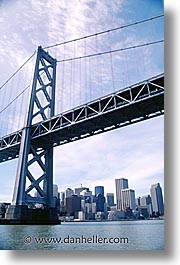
x,y
73,204
157,199
62,197
110,199
99,198
145,200
121,183
128,199
68,192
99,190
55,190
138,201
78,190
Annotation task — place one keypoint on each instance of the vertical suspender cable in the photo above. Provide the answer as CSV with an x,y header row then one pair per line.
x,y
85,72
90,95
62,88
97,62
9,111
71,83
74,76
111,62
80,80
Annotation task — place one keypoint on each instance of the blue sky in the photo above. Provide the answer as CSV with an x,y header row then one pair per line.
x,y
135,152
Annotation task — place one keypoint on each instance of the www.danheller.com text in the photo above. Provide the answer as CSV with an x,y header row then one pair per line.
x,y
95,239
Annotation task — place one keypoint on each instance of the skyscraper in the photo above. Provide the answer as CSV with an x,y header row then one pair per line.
x,y
68,192
128,199
99,190
138,200
55,190
157,199
145,200
62,197
99,198
78,190
121,183
100,201
73,204
110,199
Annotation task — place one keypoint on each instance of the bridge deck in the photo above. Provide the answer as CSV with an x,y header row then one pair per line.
x,y
139,102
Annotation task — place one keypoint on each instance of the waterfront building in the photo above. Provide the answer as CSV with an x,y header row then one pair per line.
x,y
138,201
113,208
157,199
68,192
81,216
87,196
86,193
88,207
73,204
145,200
83,205
110,199
94,207
89,214
99,199
121,183
116,215
99,216
99,190
62,198
3,209
128,199
128,213
55,190
78,190
144,211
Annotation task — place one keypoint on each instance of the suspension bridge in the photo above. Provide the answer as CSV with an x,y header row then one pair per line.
x,y
80,88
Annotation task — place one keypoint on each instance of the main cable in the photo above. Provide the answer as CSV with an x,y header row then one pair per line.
x,y
105,31
111,51
10,103
17,70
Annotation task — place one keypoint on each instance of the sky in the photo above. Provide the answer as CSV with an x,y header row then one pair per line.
x,y
134,152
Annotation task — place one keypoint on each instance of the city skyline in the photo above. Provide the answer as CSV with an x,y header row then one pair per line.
x,y
134,152
74,189
83,204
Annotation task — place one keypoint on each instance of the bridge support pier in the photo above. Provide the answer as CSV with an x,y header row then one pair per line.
x,y
21,214
33,190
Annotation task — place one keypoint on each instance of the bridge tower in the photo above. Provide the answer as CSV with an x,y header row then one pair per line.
x,y
33,191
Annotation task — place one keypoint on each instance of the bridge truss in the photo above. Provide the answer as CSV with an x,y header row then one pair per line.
x,y
133,104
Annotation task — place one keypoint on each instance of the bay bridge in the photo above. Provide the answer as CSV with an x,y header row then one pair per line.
x,y
93,94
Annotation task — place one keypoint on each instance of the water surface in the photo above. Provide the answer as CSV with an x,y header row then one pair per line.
x,y
141,235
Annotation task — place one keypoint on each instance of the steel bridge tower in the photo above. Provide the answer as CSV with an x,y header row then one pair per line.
x,y
33,191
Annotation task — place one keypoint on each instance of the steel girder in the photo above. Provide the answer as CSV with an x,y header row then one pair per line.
x,y
133,104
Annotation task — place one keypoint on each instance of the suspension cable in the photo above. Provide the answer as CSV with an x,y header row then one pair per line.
x,y
111,51
17,70
10,103
106,31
